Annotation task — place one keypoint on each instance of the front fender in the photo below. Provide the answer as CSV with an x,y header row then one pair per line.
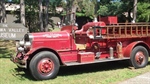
x,y
129,48
36,50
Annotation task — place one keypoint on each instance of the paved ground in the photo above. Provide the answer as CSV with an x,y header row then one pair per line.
x,y
141,79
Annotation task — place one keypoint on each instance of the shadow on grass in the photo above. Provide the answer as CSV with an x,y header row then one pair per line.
x,y
148,63
22,74
75,70
4,52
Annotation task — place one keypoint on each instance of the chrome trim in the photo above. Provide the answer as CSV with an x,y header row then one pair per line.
x,y
21,42
27,44
20,49
30,37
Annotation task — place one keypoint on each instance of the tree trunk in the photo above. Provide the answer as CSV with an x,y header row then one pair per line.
x,y
71,12
134,11
67,18
46,15
130,8
22,12
2,12
41,16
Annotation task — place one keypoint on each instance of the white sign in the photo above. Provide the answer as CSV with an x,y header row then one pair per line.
x,y
12,31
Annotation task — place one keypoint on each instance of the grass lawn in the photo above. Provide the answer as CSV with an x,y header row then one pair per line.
x,y
102,73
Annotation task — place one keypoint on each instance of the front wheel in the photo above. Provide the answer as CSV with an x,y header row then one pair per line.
x,y
44,65
139,57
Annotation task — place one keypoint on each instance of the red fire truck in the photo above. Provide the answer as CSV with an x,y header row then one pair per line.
x,y
96,42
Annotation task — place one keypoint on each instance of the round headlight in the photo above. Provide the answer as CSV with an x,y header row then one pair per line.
x,y
21,43
27,45
20,49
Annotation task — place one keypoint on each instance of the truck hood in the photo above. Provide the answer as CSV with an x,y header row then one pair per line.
x,y
62,35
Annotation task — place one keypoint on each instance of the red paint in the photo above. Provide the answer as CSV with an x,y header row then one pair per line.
x,y
110,19
90,24
86,57
128,49
139,57
63,44
45,66
53,40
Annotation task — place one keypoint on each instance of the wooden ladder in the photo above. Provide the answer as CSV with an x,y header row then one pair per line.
x,y
136,30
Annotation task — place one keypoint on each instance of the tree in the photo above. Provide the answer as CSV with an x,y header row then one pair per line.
x,y
46,15
143,12
71,11
113,8
22,12
88,8
119,8
2,11
79,8
53,4
32,15
44,12
34,20
134,11
41,15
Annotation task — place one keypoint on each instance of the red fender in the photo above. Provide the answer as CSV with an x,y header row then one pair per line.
x,y
127,50
34,50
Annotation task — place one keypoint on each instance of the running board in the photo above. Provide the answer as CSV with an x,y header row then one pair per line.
x,y
96,61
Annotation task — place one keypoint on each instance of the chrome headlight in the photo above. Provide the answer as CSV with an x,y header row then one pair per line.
x,y
28,41
27,45
20,49
21,43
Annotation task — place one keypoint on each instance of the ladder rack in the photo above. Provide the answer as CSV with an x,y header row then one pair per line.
x,y
122,31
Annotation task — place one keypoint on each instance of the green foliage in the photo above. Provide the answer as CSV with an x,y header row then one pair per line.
x,y
31,8
105,1
114,8
31,12
103,10
102,73
80,14
86,8
53,4
13,1
143,13
148,1
91,8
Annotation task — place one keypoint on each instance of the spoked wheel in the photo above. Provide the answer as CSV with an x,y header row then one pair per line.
x,y
44,65
139,57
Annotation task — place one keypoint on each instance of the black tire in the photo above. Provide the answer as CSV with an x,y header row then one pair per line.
x,y
44,65
139,57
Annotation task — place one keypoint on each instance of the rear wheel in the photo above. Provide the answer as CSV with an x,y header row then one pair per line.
x,y
44,65
139,57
